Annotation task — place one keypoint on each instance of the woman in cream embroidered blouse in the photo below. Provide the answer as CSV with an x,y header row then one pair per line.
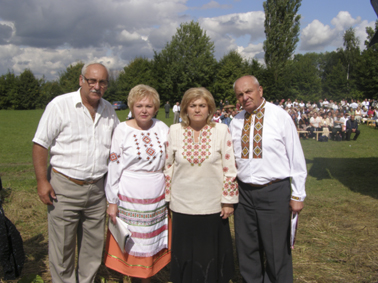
x,y
201,190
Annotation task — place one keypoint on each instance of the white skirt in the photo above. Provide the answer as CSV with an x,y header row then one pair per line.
x,y
142,206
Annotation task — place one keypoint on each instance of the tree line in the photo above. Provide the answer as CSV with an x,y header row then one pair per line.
x,y
188,61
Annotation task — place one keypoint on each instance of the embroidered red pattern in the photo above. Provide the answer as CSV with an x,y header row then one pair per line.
x,y
230,187
258,132
150,148
245,136
197,153
113,157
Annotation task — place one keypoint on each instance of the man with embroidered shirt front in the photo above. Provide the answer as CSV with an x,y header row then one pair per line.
x,y
77,127
267,156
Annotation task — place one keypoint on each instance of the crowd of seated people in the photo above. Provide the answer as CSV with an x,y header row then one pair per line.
x,y
334,120
337,121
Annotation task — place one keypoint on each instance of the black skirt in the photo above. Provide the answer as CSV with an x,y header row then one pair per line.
x,y
201,249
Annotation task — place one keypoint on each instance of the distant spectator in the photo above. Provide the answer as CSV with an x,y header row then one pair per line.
x,y
167,109
371,113
303,125
225,118
216,117
338,126
352,127
366,103
221,105
176,112
358,114
353,104
237,106
315,124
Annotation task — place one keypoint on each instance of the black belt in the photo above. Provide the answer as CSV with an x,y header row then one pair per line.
x,y
264,185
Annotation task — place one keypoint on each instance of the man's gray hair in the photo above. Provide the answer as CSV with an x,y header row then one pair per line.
x,y
253,77
85,67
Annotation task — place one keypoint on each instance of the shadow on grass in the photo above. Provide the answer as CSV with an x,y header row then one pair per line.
x,y
357,174
36,251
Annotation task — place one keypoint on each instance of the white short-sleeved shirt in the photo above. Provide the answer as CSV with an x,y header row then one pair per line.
x,y
79,146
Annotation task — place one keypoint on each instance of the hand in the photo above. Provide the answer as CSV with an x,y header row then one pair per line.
x,y
45,192
227,210
112,211
296,206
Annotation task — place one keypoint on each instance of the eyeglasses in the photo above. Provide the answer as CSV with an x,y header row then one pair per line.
x,y
92,82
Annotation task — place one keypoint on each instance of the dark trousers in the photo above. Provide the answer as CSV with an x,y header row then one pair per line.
x,y
337,130
262,233
312,129
166,114
349,132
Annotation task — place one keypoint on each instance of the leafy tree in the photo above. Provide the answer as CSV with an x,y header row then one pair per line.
x,y
8,89
111,93
139,71
69,79
306,77
351,53
229,69
282,31
370,33
367,70
187,61
49,90
28,89
335,83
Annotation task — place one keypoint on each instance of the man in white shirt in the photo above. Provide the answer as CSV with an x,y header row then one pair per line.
x,y
365,103
77,127
354,105
176,113
267,157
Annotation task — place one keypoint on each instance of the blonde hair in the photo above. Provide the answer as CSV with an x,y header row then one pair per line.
x,y
194,94
140,92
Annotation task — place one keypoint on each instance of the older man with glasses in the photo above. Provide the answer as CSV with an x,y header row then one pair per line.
x,y
77,127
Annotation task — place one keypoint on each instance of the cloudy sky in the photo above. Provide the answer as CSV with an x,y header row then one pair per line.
x,y
48,35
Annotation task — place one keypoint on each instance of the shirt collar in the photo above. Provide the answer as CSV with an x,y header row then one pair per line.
x,y
78,101
261,107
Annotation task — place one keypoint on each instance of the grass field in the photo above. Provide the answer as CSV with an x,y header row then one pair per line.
x,y
338,230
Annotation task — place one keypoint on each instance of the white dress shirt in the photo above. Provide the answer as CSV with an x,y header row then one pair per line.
x,y
175,108
282,154
79,146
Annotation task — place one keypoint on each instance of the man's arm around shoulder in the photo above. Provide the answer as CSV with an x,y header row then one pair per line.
x,y
45,191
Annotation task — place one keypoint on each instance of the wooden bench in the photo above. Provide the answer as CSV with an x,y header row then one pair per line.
x,y
317,134
301,132
370,123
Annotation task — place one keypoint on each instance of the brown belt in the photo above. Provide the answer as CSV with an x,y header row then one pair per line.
x,y
267,184
76,181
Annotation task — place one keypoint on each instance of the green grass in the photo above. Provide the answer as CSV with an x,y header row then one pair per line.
x,y
338,228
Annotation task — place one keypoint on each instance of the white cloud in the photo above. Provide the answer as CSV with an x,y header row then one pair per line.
x,y
225,30
317,36
213,5
251,51
126,36
250,23
344,20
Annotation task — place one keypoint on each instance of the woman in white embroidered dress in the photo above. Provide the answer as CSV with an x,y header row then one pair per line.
x,y
135,188
201,190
